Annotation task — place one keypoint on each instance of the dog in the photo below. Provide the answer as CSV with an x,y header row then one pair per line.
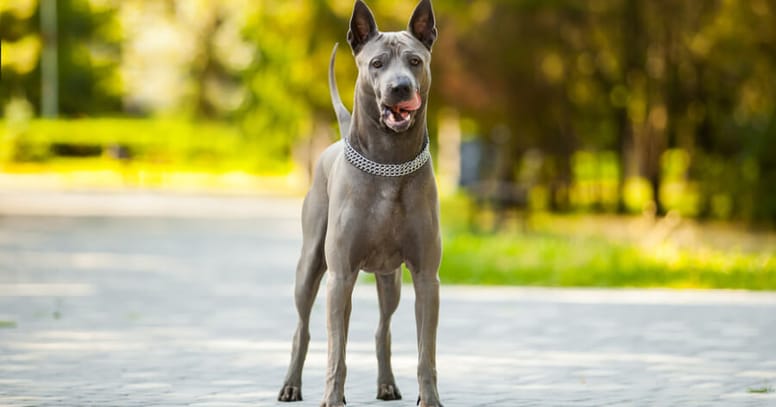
x,y
373,205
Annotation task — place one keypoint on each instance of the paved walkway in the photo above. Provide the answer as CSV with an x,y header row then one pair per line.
x,y
167,301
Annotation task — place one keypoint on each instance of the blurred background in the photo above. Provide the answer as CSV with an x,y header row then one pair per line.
x,y
605,142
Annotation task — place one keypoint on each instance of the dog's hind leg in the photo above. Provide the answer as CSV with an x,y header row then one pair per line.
x,y
388,293
309,271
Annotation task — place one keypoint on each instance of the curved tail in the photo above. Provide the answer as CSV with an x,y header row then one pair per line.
x,y
343,115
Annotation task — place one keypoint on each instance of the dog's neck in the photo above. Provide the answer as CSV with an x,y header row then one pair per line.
x,y
377,143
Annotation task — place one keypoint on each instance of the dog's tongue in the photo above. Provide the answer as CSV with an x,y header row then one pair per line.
x,y
398,115
409,105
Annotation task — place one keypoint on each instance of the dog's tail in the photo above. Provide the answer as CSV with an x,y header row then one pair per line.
x,y
343,115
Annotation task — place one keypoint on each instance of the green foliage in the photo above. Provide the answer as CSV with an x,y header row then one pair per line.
x,y
565,260
635,77
592,251
764,389
212,146
288,95
21,46
88,56
678,96
7,324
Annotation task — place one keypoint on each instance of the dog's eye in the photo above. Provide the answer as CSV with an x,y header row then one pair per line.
x,y
377,64
414,61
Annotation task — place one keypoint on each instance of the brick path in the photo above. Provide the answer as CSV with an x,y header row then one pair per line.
x,y
167,301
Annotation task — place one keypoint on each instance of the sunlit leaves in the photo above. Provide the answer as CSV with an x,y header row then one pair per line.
x,y
21,56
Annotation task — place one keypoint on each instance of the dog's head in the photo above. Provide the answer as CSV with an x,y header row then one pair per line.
x,y
394,66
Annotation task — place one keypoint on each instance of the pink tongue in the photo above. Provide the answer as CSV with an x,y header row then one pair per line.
x,y
410,105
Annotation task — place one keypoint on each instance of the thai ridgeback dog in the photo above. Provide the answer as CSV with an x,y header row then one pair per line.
x,y
373,206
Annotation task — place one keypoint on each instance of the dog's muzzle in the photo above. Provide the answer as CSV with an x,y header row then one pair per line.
x,y
398,117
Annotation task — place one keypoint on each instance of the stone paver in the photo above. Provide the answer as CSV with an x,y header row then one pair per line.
x,y
161,306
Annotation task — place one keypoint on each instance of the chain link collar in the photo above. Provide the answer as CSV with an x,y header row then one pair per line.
x,y
386,170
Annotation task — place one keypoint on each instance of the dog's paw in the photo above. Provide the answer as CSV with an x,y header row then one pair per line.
x,y
422,403
388,392
330,404
290,393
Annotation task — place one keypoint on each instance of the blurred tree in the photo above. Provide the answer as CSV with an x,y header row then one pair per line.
x,y
88,41
682,95
21,47
288,97
89,58
277,110
735,137
641,78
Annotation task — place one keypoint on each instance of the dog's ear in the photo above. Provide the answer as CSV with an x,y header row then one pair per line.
x,y
422,24
362,26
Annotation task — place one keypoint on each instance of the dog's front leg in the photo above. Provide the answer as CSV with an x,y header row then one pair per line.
x,y
338,305
426,283
388,293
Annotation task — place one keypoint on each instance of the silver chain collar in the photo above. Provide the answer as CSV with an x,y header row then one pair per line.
x,y
386,170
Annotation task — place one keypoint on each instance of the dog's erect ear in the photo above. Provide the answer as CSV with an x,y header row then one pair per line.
x,y
362,26
422,24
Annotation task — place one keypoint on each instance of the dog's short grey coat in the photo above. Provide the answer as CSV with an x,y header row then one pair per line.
x,y
355,221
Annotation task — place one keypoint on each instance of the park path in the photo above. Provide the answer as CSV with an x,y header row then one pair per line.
x,y
167,300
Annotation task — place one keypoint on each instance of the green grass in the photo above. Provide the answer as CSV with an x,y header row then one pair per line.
x,y
552,260
595,251
760,390
7,324
164,154
156,143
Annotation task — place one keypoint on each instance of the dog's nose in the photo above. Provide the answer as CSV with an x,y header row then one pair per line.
x,y
401,89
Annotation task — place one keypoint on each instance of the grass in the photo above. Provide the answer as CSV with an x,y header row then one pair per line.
x,y
163,154
760,390
7,324
604,252
156,143
553,260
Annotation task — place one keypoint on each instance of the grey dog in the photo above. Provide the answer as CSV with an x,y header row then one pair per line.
x,y
373,205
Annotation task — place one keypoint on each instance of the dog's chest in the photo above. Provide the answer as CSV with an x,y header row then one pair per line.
x,y
382,230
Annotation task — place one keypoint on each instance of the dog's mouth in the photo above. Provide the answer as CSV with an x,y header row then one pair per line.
x,y
399,116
